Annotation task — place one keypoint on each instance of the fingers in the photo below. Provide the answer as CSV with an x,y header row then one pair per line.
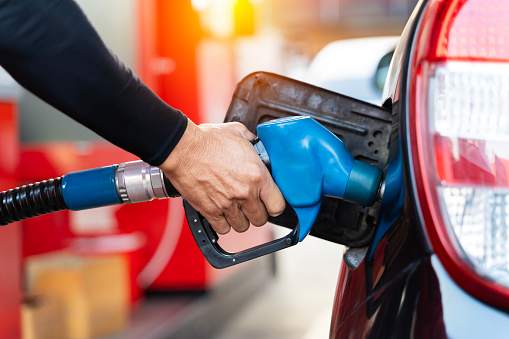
x,y
272,197
255,212
240,218
237,220
219,224
231,216
270,194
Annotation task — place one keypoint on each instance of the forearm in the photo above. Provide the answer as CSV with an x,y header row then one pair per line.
x,y
51,49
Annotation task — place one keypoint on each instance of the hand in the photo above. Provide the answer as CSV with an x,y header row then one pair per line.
x,y
217,170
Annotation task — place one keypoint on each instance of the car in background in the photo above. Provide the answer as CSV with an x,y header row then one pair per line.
x,y
353,67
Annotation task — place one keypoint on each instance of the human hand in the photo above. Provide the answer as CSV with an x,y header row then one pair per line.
x,y
217,170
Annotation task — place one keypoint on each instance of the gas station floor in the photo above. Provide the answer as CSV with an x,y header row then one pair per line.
x,y
297,303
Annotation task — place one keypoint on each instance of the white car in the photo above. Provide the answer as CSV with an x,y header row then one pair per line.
x,y
353,67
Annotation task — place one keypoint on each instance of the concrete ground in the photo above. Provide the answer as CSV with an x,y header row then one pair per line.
x,y
297,304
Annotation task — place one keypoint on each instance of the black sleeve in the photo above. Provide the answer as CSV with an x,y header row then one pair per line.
x,y
52,50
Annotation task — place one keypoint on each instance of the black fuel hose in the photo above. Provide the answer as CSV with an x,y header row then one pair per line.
x,y
31,200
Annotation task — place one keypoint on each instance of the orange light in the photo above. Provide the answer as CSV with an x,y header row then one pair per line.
x,y
244,18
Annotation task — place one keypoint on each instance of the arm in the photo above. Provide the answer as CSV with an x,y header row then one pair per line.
x,y
51,49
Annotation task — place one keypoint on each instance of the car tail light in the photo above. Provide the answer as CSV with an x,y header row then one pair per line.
x,y
459,136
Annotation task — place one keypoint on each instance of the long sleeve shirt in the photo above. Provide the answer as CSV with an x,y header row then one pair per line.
x,y
53,51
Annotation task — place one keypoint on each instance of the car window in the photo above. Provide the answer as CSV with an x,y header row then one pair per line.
x,y
382,70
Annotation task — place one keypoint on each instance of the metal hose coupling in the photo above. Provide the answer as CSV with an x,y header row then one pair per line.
x,y
137,181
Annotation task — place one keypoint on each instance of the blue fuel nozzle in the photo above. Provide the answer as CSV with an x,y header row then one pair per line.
x,y
309,162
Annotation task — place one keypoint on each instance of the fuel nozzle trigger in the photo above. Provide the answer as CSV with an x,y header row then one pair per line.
x,y
307,162
207,241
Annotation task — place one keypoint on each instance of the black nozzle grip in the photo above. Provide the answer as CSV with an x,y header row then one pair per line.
x,y
207,241
170,189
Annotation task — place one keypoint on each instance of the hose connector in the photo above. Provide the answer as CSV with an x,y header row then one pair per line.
x,y
137,181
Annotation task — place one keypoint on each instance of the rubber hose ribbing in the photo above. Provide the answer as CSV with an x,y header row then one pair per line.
x,y
31,200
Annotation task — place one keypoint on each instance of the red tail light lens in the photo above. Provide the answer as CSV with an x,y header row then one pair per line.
x,y
459,132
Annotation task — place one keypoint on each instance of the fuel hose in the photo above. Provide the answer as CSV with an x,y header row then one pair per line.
x,y
129,182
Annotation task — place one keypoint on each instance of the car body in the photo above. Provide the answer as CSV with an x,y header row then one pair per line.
x,y
418,276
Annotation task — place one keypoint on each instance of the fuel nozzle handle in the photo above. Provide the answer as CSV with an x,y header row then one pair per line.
x,y
309,162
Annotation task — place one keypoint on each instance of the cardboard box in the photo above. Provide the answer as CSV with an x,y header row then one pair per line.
x,y
41,318
93,291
